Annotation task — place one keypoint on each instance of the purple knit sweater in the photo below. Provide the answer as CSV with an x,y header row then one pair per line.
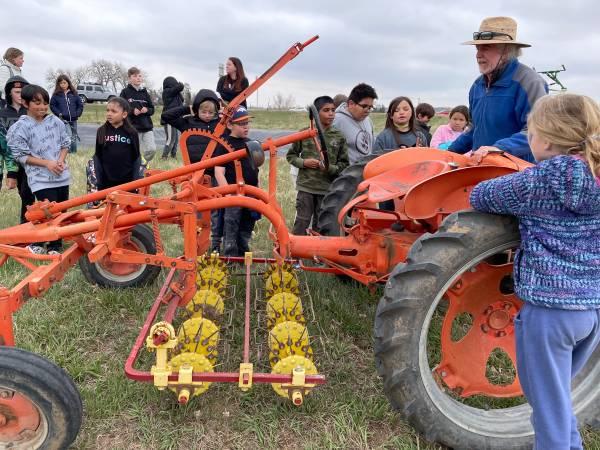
x,y
557,203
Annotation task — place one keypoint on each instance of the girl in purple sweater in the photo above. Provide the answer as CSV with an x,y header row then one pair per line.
x,y
557,267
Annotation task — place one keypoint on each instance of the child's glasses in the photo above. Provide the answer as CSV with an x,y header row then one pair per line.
x,y
366,107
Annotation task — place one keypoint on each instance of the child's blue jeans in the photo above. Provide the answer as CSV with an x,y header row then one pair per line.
x,y
552,346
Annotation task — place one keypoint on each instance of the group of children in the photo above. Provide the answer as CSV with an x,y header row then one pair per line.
x,y
406,127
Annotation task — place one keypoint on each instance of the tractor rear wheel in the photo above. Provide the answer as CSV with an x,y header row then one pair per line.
x,y
444,339
40,406
124,275
342,190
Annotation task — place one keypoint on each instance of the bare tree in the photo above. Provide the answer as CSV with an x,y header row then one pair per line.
x,y
111,74
187,93
282,102
76,76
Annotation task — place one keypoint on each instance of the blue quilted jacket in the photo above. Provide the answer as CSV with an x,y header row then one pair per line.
x,y
557,203
499,112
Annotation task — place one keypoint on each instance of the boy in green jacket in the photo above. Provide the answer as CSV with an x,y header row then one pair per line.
x,y
313,180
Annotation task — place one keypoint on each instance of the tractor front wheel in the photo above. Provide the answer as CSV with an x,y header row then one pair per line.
x,y
40,406
110,274
342,190
444,339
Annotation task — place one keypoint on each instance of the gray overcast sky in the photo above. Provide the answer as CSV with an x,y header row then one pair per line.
x,y
400,47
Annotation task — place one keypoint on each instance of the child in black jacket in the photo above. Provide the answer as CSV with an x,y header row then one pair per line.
x,y
172,98
117,159
142,110
204,116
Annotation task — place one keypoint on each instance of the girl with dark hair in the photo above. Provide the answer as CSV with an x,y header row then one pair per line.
x,y
117,159
67,106
400,131
233,82
445,135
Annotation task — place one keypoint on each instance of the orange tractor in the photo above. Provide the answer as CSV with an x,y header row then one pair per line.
x,y
443,333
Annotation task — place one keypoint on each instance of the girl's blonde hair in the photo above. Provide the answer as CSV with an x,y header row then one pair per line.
x,y
571,123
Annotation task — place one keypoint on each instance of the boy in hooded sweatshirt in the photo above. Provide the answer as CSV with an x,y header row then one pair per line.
x,y
142,110
40,142
353,121
9,114
172,98
204,117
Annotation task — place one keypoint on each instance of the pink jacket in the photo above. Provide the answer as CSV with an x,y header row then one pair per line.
x,y
444,136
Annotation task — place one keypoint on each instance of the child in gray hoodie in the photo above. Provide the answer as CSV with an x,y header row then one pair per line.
x,y
40,142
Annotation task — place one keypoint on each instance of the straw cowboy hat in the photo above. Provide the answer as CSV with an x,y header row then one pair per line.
x,y
496,30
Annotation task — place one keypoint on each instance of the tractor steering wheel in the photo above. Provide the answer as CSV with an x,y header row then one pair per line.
x,y
319,139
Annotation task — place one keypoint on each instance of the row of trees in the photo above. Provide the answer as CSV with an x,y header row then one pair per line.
x,y
110,74
101,71
113,75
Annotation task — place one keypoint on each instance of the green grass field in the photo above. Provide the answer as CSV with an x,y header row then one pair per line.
x,y
89,331
262,119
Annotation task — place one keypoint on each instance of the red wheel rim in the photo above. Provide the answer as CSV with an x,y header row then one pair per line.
x,y
121,269
463,363
20,420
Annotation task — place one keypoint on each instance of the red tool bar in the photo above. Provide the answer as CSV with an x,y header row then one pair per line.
x,y
248,261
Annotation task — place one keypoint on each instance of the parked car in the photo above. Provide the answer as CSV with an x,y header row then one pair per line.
x,y
91,92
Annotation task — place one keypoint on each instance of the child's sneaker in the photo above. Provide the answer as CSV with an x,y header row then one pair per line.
x,y
37,249
53,252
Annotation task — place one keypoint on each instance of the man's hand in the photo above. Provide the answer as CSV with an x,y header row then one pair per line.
x,y
144,110
311,163
55,167
11,183
478,155
136,112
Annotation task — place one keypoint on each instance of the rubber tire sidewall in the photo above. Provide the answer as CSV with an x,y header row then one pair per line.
x,y
50,388
144,235
341,191
401,316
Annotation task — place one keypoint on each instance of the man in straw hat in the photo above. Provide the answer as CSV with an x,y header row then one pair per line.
x,y
501,98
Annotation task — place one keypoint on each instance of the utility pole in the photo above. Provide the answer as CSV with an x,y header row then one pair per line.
x,y
221,70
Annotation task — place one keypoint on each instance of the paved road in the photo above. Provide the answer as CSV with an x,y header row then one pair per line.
x,y
87,134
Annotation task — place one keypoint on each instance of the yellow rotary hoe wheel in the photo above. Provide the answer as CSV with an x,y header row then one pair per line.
x,y
199,363
286,366
280,280
212,278
287,339
284,307
199,335
212,274
207,304
211,260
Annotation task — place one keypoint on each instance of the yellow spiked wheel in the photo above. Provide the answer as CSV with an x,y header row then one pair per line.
x,y
207,304
276,267
283,307
281,281
286,339
199,335
212,278
287,365
199,363
211,260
